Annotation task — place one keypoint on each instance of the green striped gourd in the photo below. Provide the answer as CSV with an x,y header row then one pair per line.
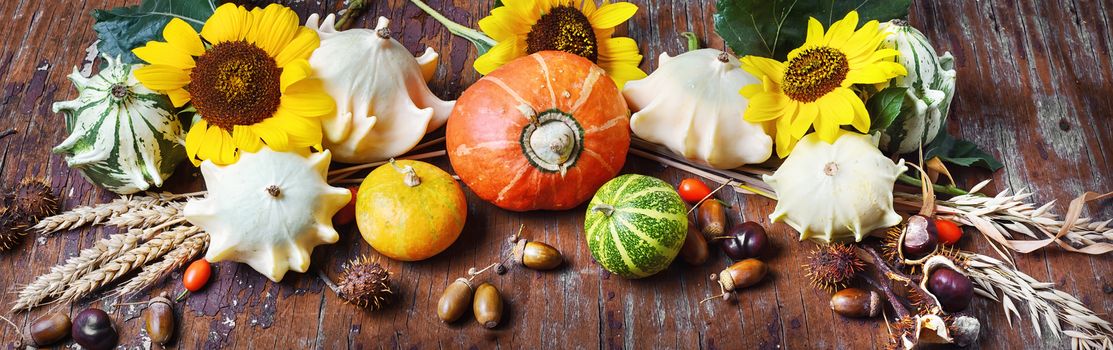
x,y
930,85
635,225
123,136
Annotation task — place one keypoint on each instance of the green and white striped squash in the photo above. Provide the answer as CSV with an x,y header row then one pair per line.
x,y
930,85
635,225
123,136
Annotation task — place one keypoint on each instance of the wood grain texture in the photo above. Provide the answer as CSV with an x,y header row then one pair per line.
x,y
1034,88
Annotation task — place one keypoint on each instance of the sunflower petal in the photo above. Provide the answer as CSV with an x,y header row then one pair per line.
x,y
861,120
761,66
179,97
228,23
274,27
815,33
499,55
157,52
765,106
275,138
162,78
301,47
504,23
807,114
783,139
245,139
294,72
751,90
194,139
300,131
827,128
181,35
588,8
611,15
307,98
622,72
841,30
876,73
619,50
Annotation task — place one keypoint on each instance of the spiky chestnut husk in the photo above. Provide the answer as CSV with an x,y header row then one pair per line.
x,y
11,230
31,200
365,283
831,267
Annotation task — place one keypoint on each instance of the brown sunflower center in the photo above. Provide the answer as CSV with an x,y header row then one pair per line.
x,y
235,83
814,73
566,29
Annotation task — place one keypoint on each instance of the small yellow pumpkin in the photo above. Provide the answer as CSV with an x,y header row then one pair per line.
x,y
410,210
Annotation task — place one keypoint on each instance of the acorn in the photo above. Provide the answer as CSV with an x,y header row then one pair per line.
x,y
832,266
455,300
487,305
856,303
694,251
48,330
740,275
366,284
712,219
536,255
159,320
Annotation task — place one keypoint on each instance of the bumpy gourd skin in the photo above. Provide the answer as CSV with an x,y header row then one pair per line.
x,y
410,223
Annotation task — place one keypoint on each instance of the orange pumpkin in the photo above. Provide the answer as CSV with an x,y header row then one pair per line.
x,y
544,131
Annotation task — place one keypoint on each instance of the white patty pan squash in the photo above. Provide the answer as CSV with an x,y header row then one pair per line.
x,y
691,105
383,105
836,192
268,210
929,86
123,136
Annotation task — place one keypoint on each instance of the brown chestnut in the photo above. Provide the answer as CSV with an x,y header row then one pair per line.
x,y
537,255
919,238
712,219
694,251
487,305
455,300
951,288
159,320
48,330
854,302
746,240
93,330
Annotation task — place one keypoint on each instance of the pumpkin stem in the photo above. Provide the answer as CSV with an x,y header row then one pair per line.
x,y
693,40
831,169
605,209
274,191
411,179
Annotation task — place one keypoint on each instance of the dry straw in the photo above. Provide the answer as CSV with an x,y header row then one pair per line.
x,y
98,214
173,260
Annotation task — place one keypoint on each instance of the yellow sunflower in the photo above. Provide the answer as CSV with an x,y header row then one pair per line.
x,y
523,27
813,86
248,77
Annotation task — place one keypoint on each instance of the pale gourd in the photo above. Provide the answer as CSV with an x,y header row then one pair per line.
x,y
834,192
123,136
929,88
268,210
383,105
691,105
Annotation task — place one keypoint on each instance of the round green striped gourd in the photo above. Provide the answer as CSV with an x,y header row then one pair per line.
x,y
929,87
635,225
123,136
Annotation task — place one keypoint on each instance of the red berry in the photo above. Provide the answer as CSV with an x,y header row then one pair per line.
x,y
693,190
347,214
949,232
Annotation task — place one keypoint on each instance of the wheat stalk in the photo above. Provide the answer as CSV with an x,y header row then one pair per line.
x,y
173,260
144,217
97,214
55,282
999,281
114,269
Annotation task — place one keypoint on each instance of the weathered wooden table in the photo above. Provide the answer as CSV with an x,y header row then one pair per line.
x,y
1034,88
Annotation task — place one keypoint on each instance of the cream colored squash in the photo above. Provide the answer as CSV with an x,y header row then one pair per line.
x,y
836,192
691,105
383,105
268,210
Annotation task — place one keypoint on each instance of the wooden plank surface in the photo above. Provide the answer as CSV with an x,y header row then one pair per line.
x,y
1034,88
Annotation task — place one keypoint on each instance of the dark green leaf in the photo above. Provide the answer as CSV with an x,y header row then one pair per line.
x,y
498,3
124,28
772,28
884,107
960,152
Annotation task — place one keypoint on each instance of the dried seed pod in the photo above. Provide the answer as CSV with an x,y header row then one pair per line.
x,y
48,330
712,219
32,199
740,275
854,302
454,301
11,229
536,255
159,320
487,305
366,284
832,266
694,251
947,284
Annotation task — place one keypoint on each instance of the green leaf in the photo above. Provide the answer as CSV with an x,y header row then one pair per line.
x,y
124,28
772,28
498,3
884,107
960,152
